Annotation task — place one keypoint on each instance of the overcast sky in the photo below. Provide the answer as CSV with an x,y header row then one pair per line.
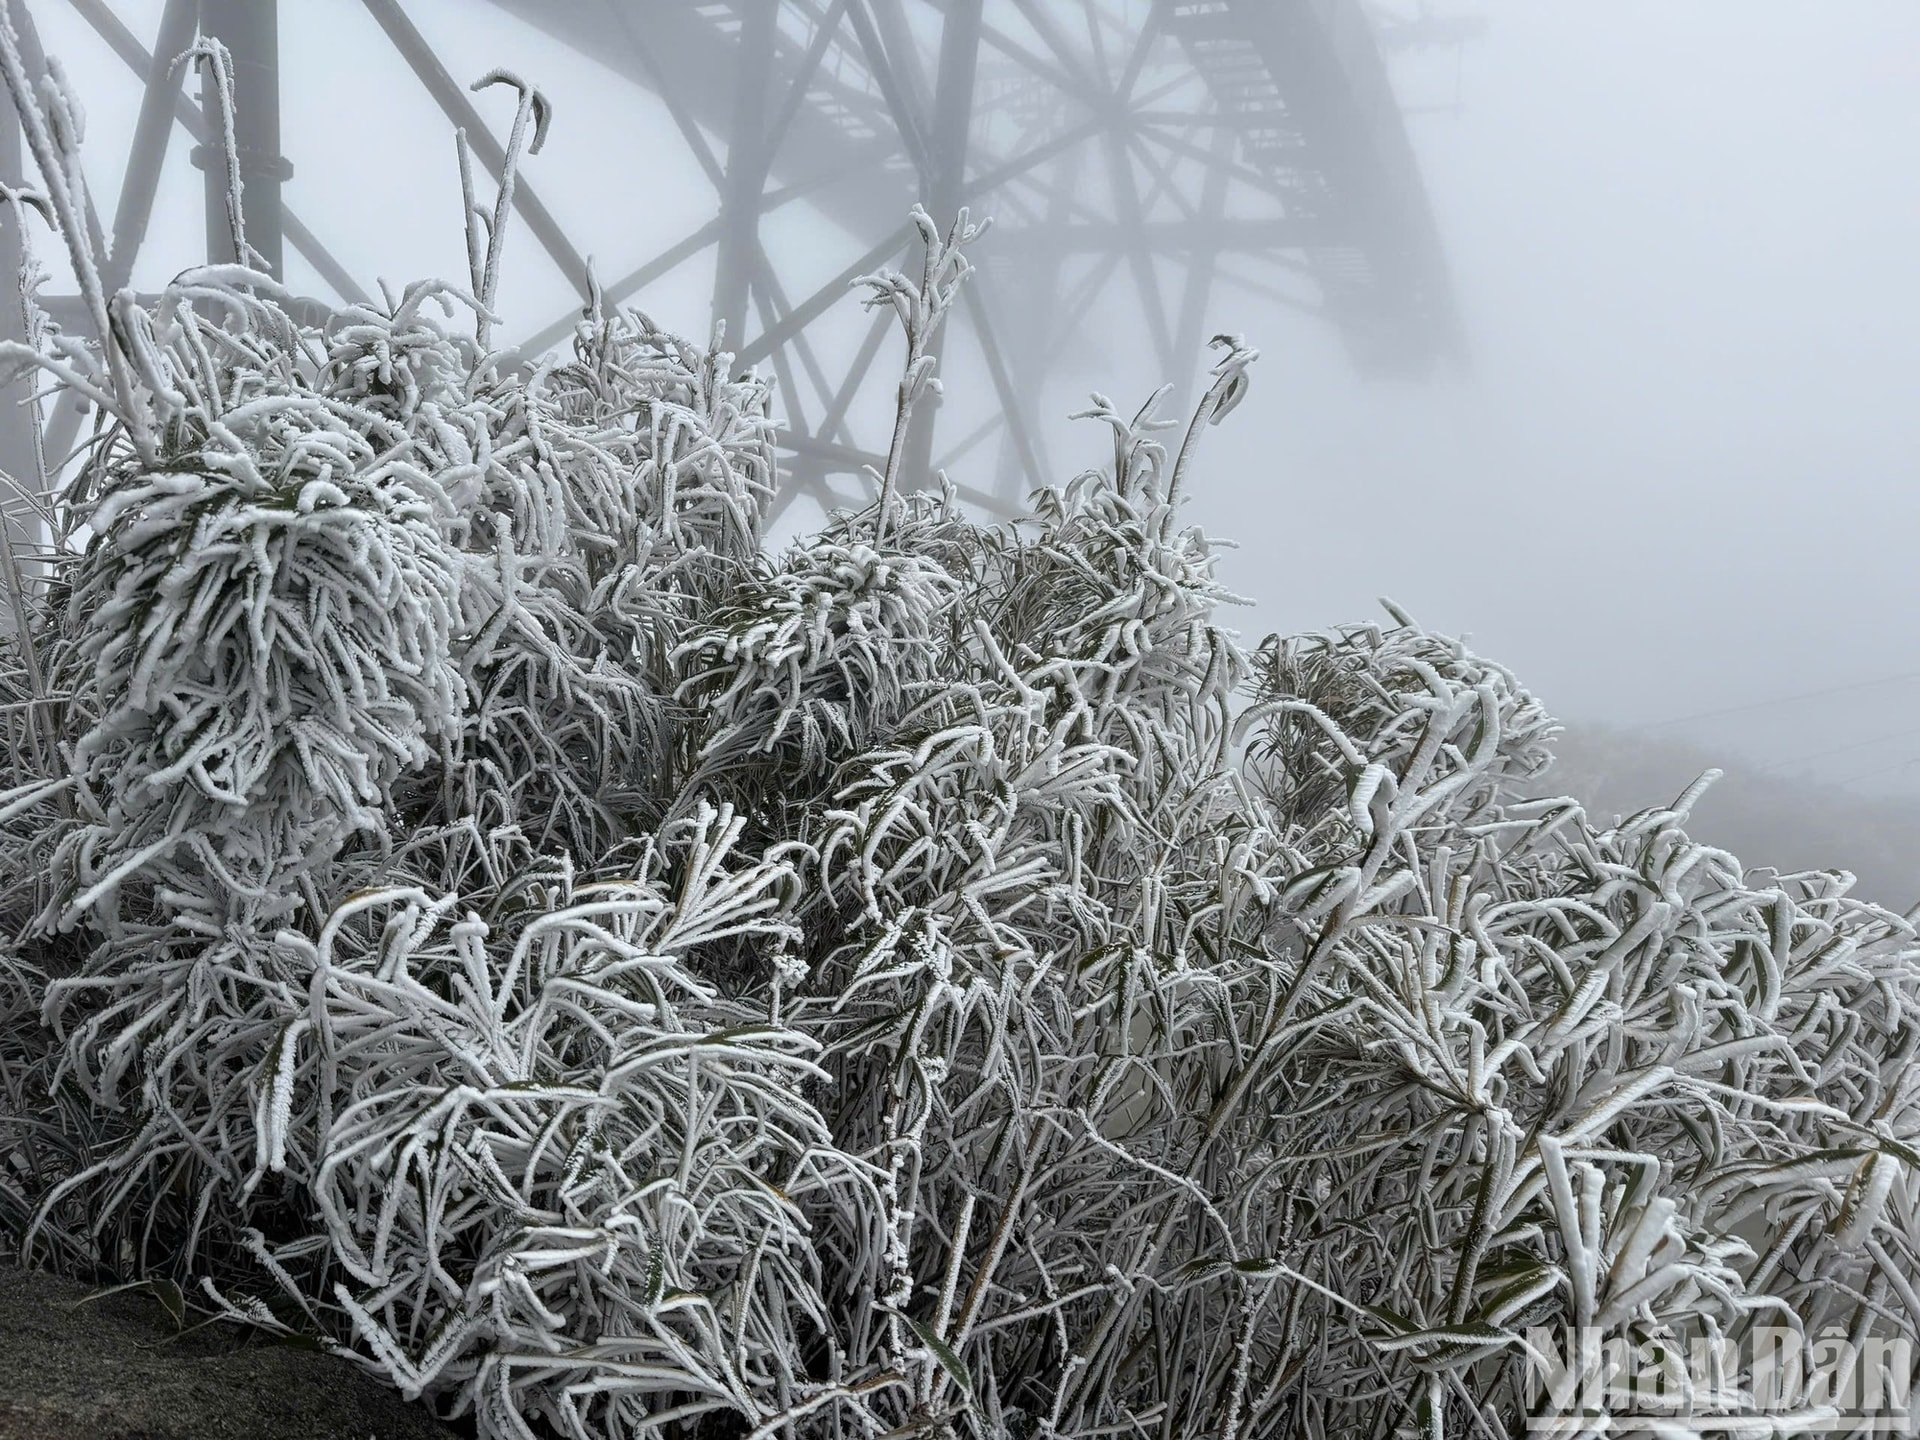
x,y
1683,471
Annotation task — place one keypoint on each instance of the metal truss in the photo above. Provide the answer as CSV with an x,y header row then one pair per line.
x,y
1133,153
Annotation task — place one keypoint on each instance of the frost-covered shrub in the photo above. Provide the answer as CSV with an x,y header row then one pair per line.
x,y
474,905
265,618
544,1153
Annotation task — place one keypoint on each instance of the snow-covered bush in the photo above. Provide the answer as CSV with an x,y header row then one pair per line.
x,y
472,903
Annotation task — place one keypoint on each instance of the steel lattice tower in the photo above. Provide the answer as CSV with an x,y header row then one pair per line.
x,y
1132,153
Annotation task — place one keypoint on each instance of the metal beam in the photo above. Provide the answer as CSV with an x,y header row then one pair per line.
x,y
18,456
778,308
877,328
250,29
945,192
65,419
828,295
1030,299
901,56
148,155
69,312
971,441
1013,405
453,102
641,48
746,175
1132,237
1068,81
628,284
614,292
845,459
857,67
871,191
1204,260
33,57
122,42
1336,126
765,301
1143,44
1168,237
802,81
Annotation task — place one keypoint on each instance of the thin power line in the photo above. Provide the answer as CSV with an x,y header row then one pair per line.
x,y
1783,700
1905,734
1879,770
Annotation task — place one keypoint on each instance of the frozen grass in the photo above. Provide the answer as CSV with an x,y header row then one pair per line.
x,y
473,904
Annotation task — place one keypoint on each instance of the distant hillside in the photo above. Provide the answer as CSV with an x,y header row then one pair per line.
x,y
1764,819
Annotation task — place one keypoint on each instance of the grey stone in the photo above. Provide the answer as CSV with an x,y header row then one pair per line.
x,y
116,1368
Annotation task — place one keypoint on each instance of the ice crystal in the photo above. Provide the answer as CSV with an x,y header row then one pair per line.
x,y
474,904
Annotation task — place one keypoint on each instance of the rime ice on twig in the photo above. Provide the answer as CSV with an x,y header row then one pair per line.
x,y
921,308
485,911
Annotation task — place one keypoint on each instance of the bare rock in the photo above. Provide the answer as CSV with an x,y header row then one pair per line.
x,y
116,1368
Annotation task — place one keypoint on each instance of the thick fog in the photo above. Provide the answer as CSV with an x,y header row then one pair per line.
x,y
1682,473
1676,484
